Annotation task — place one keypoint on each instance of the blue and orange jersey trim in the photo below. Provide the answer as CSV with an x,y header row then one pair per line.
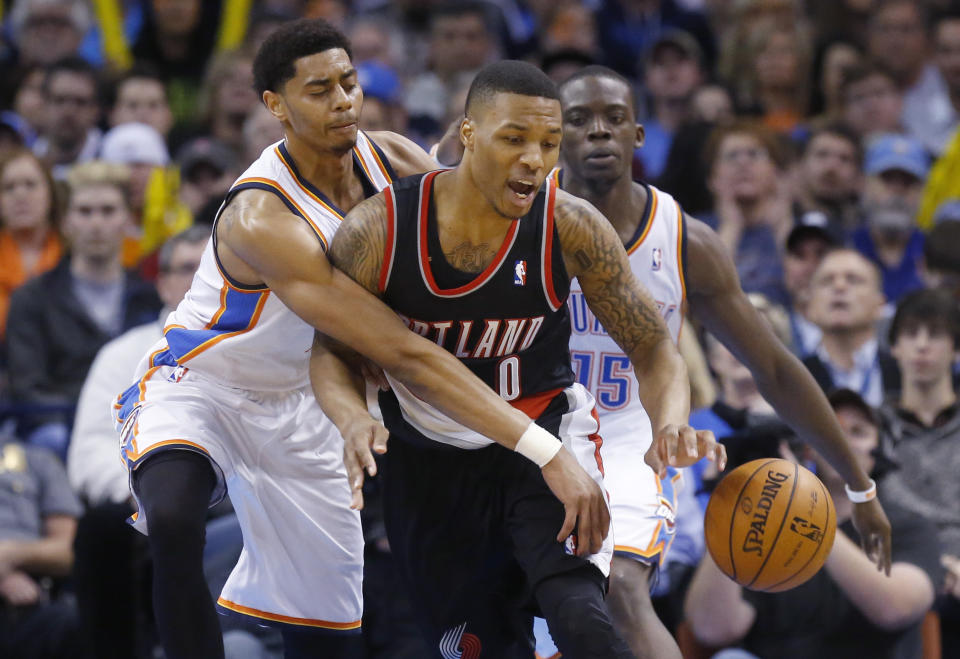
x,y
267,616
660,540
260,183
646,222
238,313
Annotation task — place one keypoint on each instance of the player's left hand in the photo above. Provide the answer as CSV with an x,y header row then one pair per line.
x,y
681,446
360,436
874,529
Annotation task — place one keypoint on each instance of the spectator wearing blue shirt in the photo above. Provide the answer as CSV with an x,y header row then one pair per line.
x,y
896,167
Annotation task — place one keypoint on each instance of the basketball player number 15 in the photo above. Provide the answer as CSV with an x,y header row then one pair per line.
x,y
613,381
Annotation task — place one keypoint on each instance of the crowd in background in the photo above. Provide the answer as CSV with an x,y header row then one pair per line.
x,y
819,138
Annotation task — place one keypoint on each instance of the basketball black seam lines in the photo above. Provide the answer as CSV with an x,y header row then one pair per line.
x,y
819,547
733,515
793,490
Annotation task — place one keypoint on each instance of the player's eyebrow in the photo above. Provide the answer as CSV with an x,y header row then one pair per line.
x,y
515,126
323,82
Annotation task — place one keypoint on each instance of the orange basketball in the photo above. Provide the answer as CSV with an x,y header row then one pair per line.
x,y
770,525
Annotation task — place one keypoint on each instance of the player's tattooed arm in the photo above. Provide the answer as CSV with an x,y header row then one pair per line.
x,y
357,248
593,252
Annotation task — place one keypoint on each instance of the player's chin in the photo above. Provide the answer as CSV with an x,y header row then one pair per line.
x,y
514,204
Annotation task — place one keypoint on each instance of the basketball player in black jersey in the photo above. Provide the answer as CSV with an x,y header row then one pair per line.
x,y
474,531
599,117
310,85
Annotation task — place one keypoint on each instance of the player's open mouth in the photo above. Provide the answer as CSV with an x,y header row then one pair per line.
x,y
522,187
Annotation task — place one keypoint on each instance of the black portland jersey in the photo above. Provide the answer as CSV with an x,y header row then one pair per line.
x,y
509,324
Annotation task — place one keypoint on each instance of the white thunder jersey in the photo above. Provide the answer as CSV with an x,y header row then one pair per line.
x,y
655,253
244,335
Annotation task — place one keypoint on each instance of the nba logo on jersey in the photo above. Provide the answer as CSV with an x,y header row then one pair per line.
x,y
520,273
570,544
657,259
455,644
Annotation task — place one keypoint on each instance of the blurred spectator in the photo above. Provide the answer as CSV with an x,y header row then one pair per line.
x,y
846,609
207,169
45,31
752,213
872,103
946,44
898,38
460,43
382,107
829,176
922,427
69,132
260,130
895,167
570,26
372,41
712,103
38,519
830,64
176,39
28,96
225,101
846,303
153,190
59,320
629,27
139,96
29,243
941,255
778,84
807,243
672,73
109,560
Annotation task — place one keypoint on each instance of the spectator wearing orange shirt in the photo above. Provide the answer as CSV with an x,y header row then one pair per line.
x,y
29,243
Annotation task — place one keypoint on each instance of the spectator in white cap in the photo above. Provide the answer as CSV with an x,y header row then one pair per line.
x,y
154,189
896,167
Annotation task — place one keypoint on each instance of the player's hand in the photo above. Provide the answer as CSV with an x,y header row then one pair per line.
x,y
681,446
874,529
583,500
19,589
361,437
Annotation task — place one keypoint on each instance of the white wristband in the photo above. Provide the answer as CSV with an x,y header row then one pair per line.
x,y
868,494
537,445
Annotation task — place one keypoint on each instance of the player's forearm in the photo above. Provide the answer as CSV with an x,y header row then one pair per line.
x,y
664,387
797,398
715,607
337,385
892,602
439,378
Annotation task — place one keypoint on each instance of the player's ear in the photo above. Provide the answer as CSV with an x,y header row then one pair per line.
x,y
641,136
275,104
468,133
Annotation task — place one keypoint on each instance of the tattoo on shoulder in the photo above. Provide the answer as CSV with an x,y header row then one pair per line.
x,y
357,247
595,252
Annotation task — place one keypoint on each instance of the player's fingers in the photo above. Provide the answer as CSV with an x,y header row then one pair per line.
x,y
380,436
354,471
885,549
688,441
366,457
569,522
721,454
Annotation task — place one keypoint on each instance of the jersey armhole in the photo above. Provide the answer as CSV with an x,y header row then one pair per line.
x,y
390,244
682,251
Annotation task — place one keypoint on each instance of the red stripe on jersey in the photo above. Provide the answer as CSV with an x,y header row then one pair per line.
x,y
390,248
534,405
597,441
480,279
555,302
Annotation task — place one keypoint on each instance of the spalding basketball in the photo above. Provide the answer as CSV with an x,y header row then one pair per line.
x,y
770,525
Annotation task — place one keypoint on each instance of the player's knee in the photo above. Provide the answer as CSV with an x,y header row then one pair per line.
x,y
579,619
630,582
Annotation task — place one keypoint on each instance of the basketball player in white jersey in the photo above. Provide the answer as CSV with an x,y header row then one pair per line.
x,y
679,260
223,401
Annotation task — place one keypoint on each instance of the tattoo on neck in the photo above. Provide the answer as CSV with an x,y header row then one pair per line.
x,y
469,257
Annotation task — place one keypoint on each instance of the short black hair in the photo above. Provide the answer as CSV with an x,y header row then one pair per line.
x,y
933,308
837,129
449,9
140,70
275,61
600,71
509,77
941,249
